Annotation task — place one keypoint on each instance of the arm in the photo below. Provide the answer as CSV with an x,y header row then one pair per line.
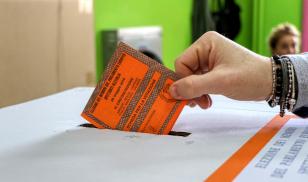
x,y
300,63
217,65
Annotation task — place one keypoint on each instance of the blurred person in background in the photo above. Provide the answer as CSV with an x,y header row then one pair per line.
x,y
284,39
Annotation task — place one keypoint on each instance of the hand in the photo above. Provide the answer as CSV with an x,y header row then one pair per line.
x,y
217,65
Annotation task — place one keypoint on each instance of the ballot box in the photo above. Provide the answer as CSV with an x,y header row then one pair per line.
x,y
47,140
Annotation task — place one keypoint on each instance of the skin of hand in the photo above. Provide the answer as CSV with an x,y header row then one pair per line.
x,y
216,65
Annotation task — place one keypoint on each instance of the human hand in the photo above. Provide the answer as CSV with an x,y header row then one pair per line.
x,y
216,65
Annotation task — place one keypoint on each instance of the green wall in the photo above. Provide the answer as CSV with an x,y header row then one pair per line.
x,y
245,36
172,15
257,16
269,13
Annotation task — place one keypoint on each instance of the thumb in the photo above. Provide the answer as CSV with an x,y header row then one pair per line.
x,y
194,86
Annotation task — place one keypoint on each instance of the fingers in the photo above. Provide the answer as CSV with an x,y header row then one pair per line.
x,y
194,59
204,102
191,103
195,86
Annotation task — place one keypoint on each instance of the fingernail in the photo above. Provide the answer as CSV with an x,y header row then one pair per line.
x,y
174,93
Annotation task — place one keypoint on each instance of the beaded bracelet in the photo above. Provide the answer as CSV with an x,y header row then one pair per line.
x,y
284,91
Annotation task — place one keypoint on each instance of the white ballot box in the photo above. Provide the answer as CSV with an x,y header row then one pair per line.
x,y
42,140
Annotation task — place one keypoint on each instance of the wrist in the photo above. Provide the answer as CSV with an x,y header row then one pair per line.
x,y
268,78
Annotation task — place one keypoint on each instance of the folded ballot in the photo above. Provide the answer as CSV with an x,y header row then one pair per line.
x,y
133,95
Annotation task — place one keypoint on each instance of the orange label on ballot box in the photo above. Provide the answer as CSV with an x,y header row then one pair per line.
x,y
133,95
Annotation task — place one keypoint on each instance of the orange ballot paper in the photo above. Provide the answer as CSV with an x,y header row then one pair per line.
x,y
133,95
